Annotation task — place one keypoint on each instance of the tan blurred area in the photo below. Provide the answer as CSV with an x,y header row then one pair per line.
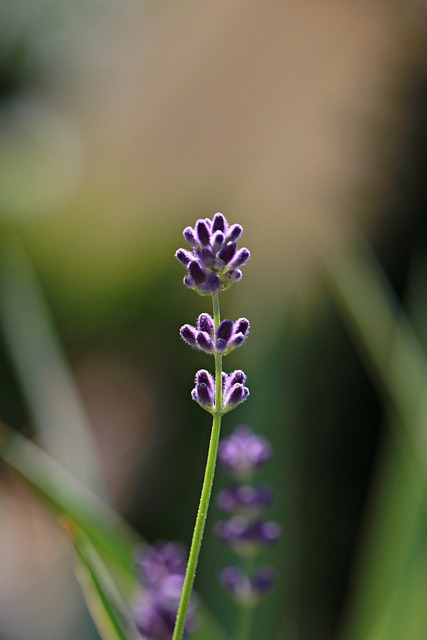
x,y
282,115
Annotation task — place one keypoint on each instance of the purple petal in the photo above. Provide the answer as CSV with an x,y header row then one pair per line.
x,y
235,396
221,345
207,257
204,395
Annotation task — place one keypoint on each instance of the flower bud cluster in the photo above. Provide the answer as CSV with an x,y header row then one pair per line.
x,y
233,390
228,336
214,261
246,531
161,569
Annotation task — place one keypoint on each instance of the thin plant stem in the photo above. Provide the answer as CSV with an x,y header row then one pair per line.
x,y
202,512
244,624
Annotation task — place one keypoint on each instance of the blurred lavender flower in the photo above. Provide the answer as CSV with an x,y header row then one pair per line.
x,y
247,532
233,387
224,340
161,569
214,261
247,590
243,452
246,536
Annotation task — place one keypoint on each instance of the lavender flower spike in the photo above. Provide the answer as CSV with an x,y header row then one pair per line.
x,y
214,261
228,336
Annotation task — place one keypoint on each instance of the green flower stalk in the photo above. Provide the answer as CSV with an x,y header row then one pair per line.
x,y
213,265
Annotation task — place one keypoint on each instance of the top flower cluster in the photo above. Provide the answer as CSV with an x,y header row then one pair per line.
x,y
214,260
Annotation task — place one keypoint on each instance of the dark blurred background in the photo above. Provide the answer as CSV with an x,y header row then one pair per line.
x,y
123,122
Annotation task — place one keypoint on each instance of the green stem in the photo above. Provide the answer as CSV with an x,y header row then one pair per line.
x,y
202,512
244,626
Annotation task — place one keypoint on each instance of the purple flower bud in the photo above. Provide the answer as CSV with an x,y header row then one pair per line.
x,y
247,537
204,342
189,335
207,257
190,236
235,396
196,272
243,451
233,579
212,284
227,253
225,330
217,241
219,223
245,499
204,391
234,233
233,276
203,232
236,341
262,580
220,345
205,323
184,256
240,258
242,326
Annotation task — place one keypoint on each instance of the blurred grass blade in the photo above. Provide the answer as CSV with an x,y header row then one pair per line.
x,y
108,611
103,527
389,589
42,368
389,344
67,495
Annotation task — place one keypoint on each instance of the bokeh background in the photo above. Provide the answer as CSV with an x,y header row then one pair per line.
x,y
120,124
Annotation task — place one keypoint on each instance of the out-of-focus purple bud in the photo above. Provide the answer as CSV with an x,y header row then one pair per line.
x,y
205,323
203,232
219,223
269,532
243,451
189,335
263,580
247,536
227,253
245,499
